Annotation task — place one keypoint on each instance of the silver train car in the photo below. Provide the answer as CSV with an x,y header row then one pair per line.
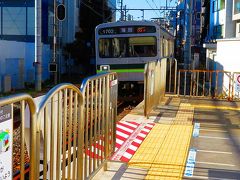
x,y
126,46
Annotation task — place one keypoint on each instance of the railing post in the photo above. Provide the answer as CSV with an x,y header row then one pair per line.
x,y
179,76
107,121
175,78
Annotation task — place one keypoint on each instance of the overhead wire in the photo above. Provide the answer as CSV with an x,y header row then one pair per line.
x,y
151,7
156,7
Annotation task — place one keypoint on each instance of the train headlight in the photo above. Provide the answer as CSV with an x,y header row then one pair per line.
x,y
104,68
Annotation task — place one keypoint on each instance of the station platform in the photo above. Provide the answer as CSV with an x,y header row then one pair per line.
x,y
181,139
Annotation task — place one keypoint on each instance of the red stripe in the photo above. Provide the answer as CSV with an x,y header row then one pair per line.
x,y
120,137
135,144
123,131
146,127
124,159
118,145
131,122
127,126
130,151
144,132
140,138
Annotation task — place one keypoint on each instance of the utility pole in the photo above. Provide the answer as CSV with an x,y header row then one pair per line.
x,y
142,14
187,47
125,12
54,39
121,7
38,45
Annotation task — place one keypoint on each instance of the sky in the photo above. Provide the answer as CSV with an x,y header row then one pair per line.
x,y
149,4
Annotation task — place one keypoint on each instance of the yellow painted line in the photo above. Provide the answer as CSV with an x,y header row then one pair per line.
x,y
215,107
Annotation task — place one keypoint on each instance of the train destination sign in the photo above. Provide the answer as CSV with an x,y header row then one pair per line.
x,y
127,30
6,134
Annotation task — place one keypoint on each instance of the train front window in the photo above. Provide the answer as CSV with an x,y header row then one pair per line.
x,y
128,47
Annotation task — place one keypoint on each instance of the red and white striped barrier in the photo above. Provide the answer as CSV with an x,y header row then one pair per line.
x,y
129,136
132,140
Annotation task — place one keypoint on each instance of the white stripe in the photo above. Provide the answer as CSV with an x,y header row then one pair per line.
x,y
197,177
124,128
218,164
217,152
214,130
129,124
142,135
138,141
122,134
146,130
134,148
213,124
127,155
205,177
149,125
119,141
116,149
212,137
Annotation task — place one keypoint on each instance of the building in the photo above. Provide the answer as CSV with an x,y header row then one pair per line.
x,y
223,39
17,37
183,34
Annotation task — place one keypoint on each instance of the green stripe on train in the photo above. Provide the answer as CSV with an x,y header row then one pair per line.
x,y
125,70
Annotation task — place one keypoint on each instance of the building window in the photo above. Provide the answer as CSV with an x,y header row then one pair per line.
x,y
30,21
214,6
236,6
217,6
222,4
14,20
218,32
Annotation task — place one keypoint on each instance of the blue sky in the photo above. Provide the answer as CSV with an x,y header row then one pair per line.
x,y
137,15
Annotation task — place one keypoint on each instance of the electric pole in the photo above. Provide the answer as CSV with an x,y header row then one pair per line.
x,y
121,7
142,14
38,45
54,39
187,47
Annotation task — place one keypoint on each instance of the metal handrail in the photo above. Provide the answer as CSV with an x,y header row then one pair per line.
x,y
193,84
154,84
100,102
22,99
61,103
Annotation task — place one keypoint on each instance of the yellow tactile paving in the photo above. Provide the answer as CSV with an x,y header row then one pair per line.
x,y
164,151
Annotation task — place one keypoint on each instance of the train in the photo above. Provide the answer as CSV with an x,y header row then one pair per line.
x,y
126,46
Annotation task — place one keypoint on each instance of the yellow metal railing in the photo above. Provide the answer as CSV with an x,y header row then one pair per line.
x,y
72,131
19,102
205,83
100,113
154,84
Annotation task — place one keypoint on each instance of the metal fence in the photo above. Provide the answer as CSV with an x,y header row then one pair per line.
x,y
205,83
100,114
59,136
236,86
154,84
171,75
16,103
72,132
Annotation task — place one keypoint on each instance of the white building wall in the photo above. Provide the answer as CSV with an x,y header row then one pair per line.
x,y
228,54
